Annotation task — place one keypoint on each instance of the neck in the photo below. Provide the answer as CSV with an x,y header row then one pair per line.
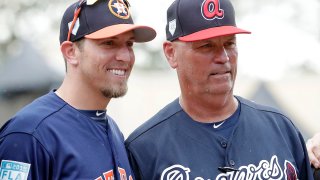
x,y
82,97
209,109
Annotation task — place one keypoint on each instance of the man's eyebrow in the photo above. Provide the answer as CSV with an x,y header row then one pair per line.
x,y
115,38
232,38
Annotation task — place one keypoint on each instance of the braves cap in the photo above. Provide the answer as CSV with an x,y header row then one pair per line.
x,y
193,20
97,19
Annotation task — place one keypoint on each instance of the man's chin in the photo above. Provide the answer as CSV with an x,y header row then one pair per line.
x,y
115,92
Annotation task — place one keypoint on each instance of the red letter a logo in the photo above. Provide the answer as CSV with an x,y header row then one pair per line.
x,y
211,9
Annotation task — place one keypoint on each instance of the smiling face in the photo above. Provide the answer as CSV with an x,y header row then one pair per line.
x,y
105,64
206,66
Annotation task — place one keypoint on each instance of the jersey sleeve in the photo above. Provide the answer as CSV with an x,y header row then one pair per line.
x,y
23,156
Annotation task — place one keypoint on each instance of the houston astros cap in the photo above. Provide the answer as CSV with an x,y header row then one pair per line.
x,y
97,19
192,20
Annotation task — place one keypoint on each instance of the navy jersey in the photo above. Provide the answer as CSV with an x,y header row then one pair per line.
x,y
264,144
49,139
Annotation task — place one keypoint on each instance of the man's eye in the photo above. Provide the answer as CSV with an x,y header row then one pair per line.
x,y
208,45
230,45
130,43
109,43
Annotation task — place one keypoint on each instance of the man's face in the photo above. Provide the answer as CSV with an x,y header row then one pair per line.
x,y
207,66
105,64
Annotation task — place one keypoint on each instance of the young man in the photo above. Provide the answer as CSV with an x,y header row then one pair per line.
x,y
67,134
208,132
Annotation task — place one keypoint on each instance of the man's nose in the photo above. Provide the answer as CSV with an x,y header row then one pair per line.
x,y
221,55
124,53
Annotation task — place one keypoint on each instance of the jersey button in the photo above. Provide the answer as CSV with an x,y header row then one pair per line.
x,y
232,163
223,144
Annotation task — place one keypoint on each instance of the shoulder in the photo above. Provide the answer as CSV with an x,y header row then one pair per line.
x,y
19,145
253,106
163,116
252,110
28,119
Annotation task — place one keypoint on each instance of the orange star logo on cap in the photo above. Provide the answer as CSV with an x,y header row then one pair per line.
x,y
119,8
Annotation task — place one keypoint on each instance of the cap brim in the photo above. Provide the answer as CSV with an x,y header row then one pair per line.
x,y
213,32
141,33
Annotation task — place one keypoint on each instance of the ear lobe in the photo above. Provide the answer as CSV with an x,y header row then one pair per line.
x,y
169,52
68,50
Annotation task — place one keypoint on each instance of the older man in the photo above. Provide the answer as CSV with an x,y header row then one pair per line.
x,y
208,132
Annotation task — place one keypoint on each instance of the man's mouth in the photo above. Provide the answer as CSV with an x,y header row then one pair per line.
x,y
118,72
221,73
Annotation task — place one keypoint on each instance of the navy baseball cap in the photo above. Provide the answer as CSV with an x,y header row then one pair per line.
x,y
193,20
97,19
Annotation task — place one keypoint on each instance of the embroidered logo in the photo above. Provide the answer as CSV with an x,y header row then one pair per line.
x,y
215,126
99,113
119,8
290,171
175,172
14,170
109,175
172,26
211,10
264,170
75,28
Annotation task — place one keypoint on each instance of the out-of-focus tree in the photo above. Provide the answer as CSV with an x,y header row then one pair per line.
x,y
28,20
37,22
304,16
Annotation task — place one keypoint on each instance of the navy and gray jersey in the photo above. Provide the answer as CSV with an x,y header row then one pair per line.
x,y
264,144
49,139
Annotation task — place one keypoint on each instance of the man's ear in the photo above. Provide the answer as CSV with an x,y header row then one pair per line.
x,y
68,50
169,52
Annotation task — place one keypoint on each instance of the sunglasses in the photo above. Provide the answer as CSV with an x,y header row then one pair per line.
x,y
75,17
78,10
